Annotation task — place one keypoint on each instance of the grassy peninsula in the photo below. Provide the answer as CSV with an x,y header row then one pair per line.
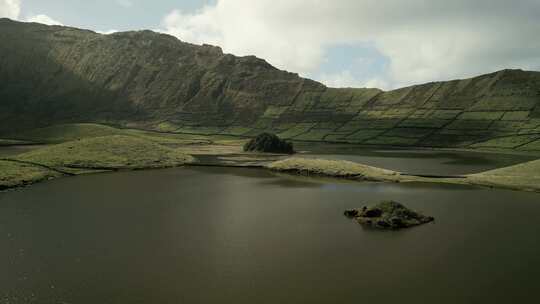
x,y
107,153
88,155
16,174
525,177
333,168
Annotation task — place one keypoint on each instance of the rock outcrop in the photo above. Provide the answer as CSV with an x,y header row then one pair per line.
x,y
53,74
268,143
388,215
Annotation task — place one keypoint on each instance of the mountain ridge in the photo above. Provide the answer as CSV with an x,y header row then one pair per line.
x,y
142,79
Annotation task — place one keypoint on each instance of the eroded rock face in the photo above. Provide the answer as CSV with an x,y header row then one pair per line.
x,y
268,143
388,215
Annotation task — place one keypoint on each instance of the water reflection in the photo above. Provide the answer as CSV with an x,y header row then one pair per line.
x,y
208,235
420,161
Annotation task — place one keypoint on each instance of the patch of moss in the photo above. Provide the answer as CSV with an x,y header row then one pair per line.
x,y
200,130
313,135
470,124
393,141
167,127
296,130
409,132
275,111
236,130
532,146
508,141
363,135
505,103
487,115
423,123
516,115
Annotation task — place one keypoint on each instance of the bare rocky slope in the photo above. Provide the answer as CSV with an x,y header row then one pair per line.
x,y
52,74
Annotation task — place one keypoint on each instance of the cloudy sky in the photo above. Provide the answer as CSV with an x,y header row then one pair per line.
x,y
373,43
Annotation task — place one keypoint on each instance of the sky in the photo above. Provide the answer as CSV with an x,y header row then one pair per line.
x,y
342,43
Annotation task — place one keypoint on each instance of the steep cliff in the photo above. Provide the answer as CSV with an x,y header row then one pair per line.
x,y
53,74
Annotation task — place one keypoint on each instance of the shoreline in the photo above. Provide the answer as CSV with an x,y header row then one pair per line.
x,y
301,167
94,148
357,172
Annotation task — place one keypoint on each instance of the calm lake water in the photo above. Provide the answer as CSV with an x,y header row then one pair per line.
x,y
415,161
223,235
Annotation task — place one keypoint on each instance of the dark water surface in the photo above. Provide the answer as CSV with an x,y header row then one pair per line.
x,y
217,235
415,161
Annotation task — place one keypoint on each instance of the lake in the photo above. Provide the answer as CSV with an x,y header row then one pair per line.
x,y
232,235
414,161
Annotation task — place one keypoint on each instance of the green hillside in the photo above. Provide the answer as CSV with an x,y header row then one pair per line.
x,y
106,153
54,75
70,132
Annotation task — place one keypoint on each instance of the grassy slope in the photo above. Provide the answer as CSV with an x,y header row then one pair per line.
x,y
524,176
85,148
198,89
14,174
333,168
188,143
107,152
351,170
13,142
69,132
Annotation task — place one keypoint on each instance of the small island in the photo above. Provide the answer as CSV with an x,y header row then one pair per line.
x,y
388,215
269,143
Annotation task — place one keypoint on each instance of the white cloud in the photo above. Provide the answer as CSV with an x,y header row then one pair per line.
x,y
423,40
44,19
125,3
346,79
343,79
244,29
10,9
107,32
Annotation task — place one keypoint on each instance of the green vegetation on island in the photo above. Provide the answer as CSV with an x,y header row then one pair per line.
x,y
388,215
268,143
